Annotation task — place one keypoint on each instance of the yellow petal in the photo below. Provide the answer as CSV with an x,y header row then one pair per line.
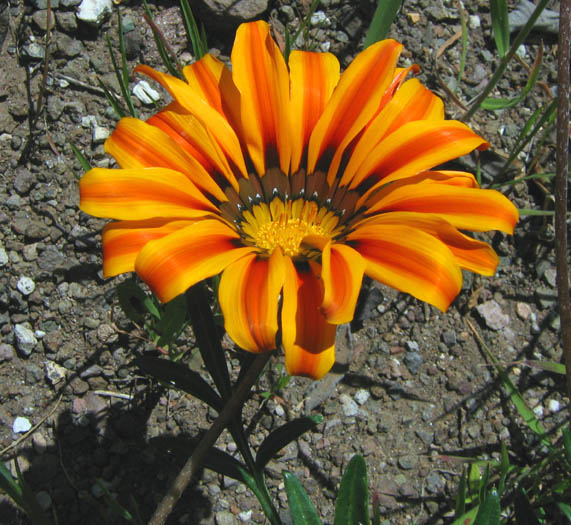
x,y
308,339
411,102
409,260
415,147
123,240
313,76
134,194
352,105
196,105
176,262
342,275
249,295
136,144
261,75
465,208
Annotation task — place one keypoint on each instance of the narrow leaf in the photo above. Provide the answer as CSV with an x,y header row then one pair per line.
x,y
177,375
251,482
565,509
282,436
83,162
548,366
567,442
301,509
197,37
524,512
500,25
352,505
489,512
461,495
504,468
384,16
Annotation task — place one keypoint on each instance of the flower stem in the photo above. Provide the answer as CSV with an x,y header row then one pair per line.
x,y
194,462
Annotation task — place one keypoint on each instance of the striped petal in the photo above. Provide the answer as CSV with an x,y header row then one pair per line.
x,y
261,75
213,81
308,339
409,260
342,274
196,105
249,295
411,102
189,133
415,147
134,194
352,105
123,240
136,144
475,256
465,208
178,261
313,76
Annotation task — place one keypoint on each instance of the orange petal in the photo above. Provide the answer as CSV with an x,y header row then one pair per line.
x,y
261,75
176,262
189,133
342,273
308,339
411,102
465,208
313,76
134,194
415,147
136,144
249,295
213,81
196,105
353,103
409,260
123,240
475,256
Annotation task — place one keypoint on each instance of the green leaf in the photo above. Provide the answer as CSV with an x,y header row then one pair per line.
x,y
258,487
500,25
301,509
197,38
177,375
384,16
352,505
461,495
282,436
567,442
83,162
565,509
123,84
135,302
504,468
489,511
10,486
113,504
548,366
172,320
112,99
468,517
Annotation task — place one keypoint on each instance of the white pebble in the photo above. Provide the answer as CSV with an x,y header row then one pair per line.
x,y
554,405
25,285
362,396
474,22
145,93
99,134
21,425
521,51
538,411
245,516
279,411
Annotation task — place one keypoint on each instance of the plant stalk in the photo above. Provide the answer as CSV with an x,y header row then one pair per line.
x,y
561,181
506,60
194,462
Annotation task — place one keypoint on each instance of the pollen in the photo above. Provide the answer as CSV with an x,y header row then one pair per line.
x,y
286,224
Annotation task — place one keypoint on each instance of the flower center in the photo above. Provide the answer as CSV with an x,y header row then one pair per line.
x,y
286,224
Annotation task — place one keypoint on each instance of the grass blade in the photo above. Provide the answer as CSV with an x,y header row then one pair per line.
x,y
384,16
500,26
124,86
197,37
83,162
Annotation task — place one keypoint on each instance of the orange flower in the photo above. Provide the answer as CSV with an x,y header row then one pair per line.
x,y
294,181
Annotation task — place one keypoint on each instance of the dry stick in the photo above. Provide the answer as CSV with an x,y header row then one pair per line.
x,y
195,461
561,170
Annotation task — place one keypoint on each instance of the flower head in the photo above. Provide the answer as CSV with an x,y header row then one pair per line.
x,y
293,181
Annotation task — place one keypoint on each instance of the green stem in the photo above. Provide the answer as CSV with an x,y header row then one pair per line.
x,y
505,61
194,462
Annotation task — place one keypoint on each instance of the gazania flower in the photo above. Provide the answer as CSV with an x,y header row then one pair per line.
x,y
293,180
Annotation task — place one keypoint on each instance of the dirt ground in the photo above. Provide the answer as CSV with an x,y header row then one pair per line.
x,y
417,390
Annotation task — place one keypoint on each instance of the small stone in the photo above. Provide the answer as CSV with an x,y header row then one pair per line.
x,y
54,373
350,408
25,285
546,297
25,339
33,51
426,437
4,259
319,18
362,396
245,515
94,12
40,19
99,134
523,311
225,517
44,499
23,181
550,277
449,337
413,361
538,410
145,93
6,352
408,462
474,22
412,346
492,314
434,483
554,405
107,334
21,425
